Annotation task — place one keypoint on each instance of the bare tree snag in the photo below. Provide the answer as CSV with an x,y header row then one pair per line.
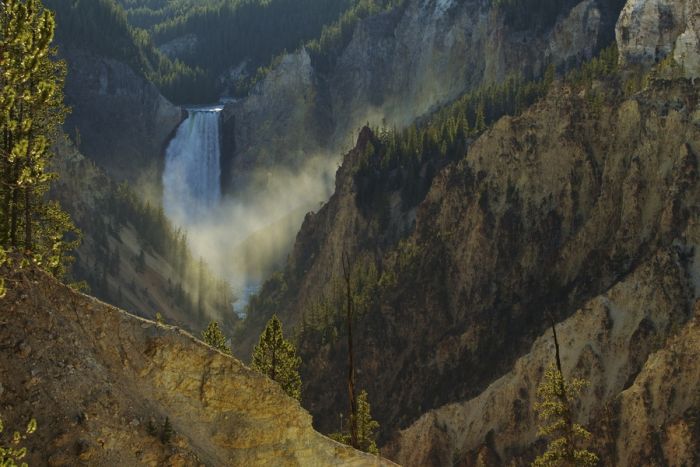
x,y
351,362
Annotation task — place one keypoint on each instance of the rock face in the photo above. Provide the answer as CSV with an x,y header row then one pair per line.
x,y
94,376
118,118
570,40
658,414
588,201
288,94
649,30
633,344
547,211
399,65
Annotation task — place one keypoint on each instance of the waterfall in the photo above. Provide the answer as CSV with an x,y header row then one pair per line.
x,y
192,175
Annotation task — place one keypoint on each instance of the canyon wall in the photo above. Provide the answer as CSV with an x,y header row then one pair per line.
x,y
398,66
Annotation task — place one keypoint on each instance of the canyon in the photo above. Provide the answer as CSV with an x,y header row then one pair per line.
x,y
578,209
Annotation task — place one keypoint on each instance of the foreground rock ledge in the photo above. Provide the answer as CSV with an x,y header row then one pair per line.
x,y
95,378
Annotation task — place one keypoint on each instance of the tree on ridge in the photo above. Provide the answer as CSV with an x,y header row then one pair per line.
x,y
276,357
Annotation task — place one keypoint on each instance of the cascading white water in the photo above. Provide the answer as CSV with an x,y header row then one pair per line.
x,y
192,175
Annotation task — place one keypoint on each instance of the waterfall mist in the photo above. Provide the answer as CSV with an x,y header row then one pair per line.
x,y
242,238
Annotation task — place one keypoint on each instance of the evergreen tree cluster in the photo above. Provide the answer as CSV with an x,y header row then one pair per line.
x,y
325,49
336,36
406,160
233,31
31,115
147,14
228,32
274,356
101,26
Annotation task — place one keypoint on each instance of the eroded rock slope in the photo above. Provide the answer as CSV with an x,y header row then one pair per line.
x,y
649,30
93,376
118,118
547,211
637,345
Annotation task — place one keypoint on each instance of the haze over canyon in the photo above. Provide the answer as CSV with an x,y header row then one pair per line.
x,y
350,232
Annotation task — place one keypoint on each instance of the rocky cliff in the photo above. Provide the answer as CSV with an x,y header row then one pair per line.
x,y
650,30
546,212
281,122
118,118
399,65
101,382
396,66
636,345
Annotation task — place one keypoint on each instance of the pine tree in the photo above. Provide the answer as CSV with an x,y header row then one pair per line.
x,y
276,357
555,408
31,115
366,426
213,336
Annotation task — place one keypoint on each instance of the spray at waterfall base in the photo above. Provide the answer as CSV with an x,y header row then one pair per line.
x,y
246,236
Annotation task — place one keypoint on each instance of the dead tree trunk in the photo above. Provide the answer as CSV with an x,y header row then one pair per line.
x,y
351,362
